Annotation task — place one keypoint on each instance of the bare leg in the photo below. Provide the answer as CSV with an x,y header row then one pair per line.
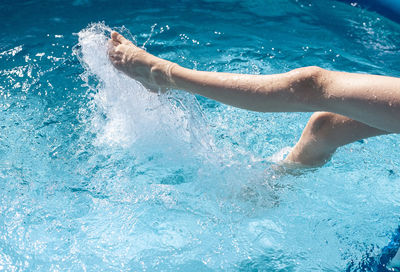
x,y
372,103
369,99
324,133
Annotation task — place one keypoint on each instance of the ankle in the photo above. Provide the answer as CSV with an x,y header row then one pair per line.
x,y
161,73
169,74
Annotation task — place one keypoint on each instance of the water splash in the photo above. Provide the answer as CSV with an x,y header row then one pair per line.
x,y
69,205
125,114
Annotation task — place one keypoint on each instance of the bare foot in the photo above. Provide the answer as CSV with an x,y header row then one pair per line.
x,y
154,73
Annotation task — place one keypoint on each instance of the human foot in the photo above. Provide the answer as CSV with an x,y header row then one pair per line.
x,y
154,73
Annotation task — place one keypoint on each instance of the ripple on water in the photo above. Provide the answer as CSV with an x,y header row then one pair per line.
x,y
97,173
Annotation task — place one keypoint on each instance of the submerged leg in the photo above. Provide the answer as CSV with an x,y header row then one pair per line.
x,y
324,133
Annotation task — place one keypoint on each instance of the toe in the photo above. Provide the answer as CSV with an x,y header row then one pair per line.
x,y
115,36
112,45
118,38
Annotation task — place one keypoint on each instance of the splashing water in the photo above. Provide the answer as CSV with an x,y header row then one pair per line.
x,y
107,176
127,114
170,132
169,140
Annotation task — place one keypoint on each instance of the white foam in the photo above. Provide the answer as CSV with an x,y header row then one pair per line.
x,y
279,156
126,114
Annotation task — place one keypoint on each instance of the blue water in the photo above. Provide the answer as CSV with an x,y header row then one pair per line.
x,y
389,8
97,174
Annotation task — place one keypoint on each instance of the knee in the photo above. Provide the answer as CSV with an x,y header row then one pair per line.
x,y
311,76
320,124
307,84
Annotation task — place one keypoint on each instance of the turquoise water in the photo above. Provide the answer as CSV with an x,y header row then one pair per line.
x,y
97,174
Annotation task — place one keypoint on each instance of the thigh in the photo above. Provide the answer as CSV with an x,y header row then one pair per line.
x,y
371,99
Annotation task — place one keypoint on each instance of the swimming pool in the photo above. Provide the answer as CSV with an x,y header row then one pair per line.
x,y
96,174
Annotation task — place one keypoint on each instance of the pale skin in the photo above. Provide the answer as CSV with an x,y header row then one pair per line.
x,y
348,106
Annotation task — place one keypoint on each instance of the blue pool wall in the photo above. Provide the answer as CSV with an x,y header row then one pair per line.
x,y
388,8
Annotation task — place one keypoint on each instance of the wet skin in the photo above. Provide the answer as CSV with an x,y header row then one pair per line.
x,y
347,106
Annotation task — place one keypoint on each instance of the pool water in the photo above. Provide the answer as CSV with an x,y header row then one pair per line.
x,y
97,174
